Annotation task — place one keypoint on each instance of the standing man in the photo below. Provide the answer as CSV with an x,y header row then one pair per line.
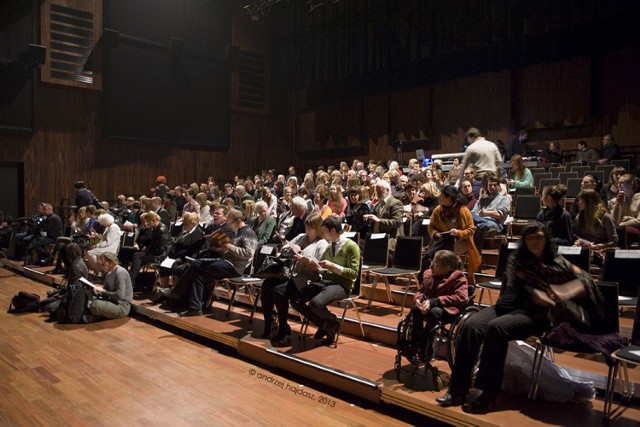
x,y
387,214
483,154
610,150
519,144
84,196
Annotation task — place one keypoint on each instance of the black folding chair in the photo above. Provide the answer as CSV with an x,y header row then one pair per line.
x,y
488,282
407,262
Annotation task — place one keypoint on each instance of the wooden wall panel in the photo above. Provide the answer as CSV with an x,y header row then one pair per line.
x,y
482,101
553,95
410,114
376,126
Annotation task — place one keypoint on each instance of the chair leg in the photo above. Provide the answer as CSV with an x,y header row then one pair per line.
x,y
254,306
406,292
355,307
344,313
535,371
232,297
374,284
608,395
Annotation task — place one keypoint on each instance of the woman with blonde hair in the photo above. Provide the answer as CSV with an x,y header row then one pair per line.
x,y
205,214
114,299
321,201
337,202
249,209
519,175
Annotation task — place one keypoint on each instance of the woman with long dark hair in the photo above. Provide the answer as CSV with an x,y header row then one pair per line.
x,y
554,216
527,307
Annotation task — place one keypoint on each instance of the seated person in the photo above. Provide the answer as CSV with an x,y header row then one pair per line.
x,y
554,216
114,299
109,241
304,250
441,296
529,305
451,227
491,210
263,224
341,259
234,259
48,232
625,209
77,267
519,175
187,244
83,231
594,227
467,191
151,245
356,210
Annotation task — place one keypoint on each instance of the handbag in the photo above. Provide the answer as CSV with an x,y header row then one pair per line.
x,y
273,267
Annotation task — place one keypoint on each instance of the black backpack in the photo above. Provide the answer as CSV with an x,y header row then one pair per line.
x,y
73,305
24,302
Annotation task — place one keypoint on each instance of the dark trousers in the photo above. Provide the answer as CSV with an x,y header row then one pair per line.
x,y
201,273
495,332
318,296
276,293
139,259
39,246
423,325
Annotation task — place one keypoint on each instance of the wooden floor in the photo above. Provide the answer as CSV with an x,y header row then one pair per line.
x,y
362,368
128,372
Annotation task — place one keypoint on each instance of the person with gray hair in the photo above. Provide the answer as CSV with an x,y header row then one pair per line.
x,y
263,224
242,195
109,241
387,213
299,211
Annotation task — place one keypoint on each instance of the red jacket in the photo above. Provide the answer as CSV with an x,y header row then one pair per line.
x,y
451,292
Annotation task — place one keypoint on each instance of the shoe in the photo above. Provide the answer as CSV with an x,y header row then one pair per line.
x,y
450,399
320,333
330,327
45,262
483,404
267,331
284,341
190,312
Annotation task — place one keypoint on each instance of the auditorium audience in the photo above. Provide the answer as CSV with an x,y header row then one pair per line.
x,y
151,245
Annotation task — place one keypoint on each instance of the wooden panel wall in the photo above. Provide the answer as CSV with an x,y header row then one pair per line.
x,y
563,102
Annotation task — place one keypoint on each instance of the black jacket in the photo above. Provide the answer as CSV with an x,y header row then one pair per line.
x,y
187,244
